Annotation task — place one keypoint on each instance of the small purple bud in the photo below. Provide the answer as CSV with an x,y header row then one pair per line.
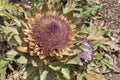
x,y
85,43
86,55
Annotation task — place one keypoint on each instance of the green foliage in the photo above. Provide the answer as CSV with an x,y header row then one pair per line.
x,y
6,5
9,22
82,8
66,72
5,62
101,45
111,66
51,68
10,31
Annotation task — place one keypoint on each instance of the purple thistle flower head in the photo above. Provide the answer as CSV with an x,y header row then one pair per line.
x,y
51,32
85,55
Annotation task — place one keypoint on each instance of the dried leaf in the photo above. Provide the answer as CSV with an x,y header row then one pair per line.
x,y
80,76
112,45
66,73
94,77
29,72
12,53
43,74
18,39
22,48
75,60
22,60
111,66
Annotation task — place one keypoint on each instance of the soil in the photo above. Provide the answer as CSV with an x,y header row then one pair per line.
x,y
110,19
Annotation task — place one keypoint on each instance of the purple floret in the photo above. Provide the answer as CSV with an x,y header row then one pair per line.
x,y
85,43
86,55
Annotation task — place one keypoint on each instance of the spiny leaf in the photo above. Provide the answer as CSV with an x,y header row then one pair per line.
x,y
43,75
79,76
93,77
12,53
112,45
51,75
69,8
10,67
22,60
8,30
111,66
66,72
3,64
3,76
29,72
75,60
18,39
5,4
88,12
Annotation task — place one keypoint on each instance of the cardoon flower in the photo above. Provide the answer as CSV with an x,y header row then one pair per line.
x,y
49,34
86,55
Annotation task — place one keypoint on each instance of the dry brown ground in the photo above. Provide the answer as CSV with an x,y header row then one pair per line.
x,y
110,14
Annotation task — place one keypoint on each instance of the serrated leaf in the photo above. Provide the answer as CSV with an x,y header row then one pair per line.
x,y
35,61
60,76
93,77
3,64
55,68
55,65
69,8
51,75
22,60
3,76
66,72
10,37
2,14
75,60
111,66
84,48
112,45
10,67
88,12
79,77
104,68
22,48
45,8
29,72
43,74
18,39
17,22
12,42
5,4
91,66
7,30
12,53
3,70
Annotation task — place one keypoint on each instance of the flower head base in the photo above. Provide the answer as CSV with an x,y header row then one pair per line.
x,y
49,34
